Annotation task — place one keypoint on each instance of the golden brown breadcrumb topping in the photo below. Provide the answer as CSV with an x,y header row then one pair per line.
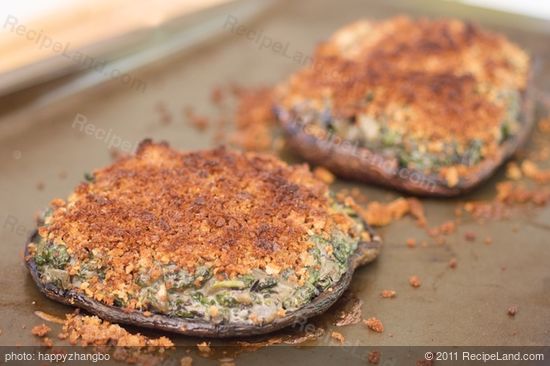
x,y
433,79
225,210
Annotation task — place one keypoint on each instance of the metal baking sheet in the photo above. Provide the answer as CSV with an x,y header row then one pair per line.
x,y
464,306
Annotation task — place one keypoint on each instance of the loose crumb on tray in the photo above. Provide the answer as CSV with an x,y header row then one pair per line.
x,y
414,281
338,336
470,236
324,175
40,330
388,294
513,310
411,243
374,324
383,214
204,347
47,342
374,357
186,361
93,331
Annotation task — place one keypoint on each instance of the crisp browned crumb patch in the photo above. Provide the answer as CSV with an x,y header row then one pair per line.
x,y
388,294
437,80
229,211
40,330
374,324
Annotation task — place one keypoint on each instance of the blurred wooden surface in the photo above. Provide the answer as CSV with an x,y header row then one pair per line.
x,y
84,23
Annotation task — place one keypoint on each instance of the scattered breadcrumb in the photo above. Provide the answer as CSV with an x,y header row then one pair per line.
x,y
47,342
355,193
424,362
200,123
324,175
338,336
513,171
411,243
383,214
217,95
227,361
453,263
414,281
40,330
254,120
544,125
470,236
509,193
165,117
91,330
388,294
374,324
374,357
512,310
204,347
532,171
488,240
186,361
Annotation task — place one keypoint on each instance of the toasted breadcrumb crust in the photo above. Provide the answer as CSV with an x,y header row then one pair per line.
x,y
229,211
433,80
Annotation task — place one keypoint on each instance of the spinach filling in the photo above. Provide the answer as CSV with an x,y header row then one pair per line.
x,y
376,135
257,297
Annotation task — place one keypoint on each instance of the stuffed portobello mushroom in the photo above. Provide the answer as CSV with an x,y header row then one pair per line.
x,y
212,243
430,107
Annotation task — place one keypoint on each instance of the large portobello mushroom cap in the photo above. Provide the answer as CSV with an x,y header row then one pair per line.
x,y
211,243
429,107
